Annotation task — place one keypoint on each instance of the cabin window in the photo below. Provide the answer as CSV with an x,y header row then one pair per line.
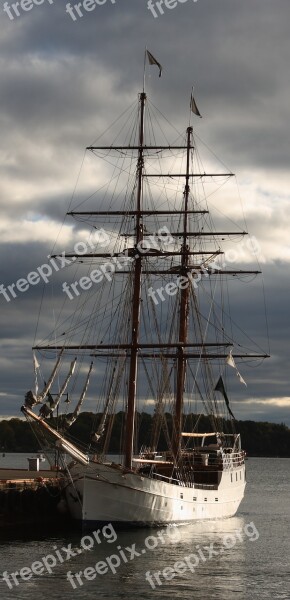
x,y
205,499
236,477
231,477
194,498
216,499
181,496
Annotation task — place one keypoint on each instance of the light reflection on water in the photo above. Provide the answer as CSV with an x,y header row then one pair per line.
x,y
247,570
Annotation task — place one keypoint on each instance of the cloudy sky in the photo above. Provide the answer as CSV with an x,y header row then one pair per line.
x,y
64,80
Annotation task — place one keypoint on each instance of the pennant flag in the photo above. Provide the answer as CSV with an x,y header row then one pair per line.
x,y
241,378
153,61
230,361
221,388
193,107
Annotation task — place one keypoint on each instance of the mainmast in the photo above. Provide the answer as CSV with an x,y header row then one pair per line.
x,y
184,311
131,407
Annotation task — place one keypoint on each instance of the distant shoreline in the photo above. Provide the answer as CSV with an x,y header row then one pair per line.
x,y
259,439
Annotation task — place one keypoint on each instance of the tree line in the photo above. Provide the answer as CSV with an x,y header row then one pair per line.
x,y
258,438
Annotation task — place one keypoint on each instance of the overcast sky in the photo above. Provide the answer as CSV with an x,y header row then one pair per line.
x,y
63,81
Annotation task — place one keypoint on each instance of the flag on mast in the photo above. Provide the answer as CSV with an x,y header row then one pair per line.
x,y
193,107
153,61
221,388
230,361
241,380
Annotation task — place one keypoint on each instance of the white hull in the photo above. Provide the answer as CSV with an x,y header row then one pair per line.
x,y
103,493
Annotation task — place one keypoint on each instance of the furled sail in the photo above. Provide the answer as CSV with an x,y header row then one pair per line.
x,y
70,420
49,406
30,398
36,367
48,385
113,390
70,448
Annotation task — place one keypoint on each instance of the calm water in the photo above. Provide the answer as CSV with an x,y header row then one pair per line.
x,y
240,567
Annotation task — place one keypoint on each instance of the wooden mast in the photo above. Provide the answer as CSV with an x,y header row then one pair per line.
x,y
132,386
183,313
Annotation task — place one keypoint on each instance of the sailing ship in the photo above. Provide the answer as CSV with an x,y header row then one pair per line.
x,y
154,331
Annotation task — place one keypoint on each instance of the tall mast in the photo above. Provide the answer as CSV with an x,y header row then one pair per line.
x,y
130,421
183,313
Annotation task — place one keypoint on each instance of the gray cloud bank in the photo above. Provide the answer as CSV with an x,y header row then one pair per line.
x,y
63,82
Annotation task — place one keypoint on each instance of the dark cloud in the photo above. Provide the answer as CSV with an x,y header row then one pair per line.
x,y
64,82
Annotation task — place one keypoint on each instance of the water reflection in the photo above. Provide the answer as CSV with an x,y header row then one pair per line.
x,y
243,566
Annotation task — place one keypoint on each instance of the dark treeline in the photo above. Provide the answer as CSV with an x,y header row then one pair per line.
x,y
258,438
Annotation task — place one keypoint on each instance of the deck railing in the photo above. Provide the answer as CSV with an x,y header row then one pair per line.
x,y
233,460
